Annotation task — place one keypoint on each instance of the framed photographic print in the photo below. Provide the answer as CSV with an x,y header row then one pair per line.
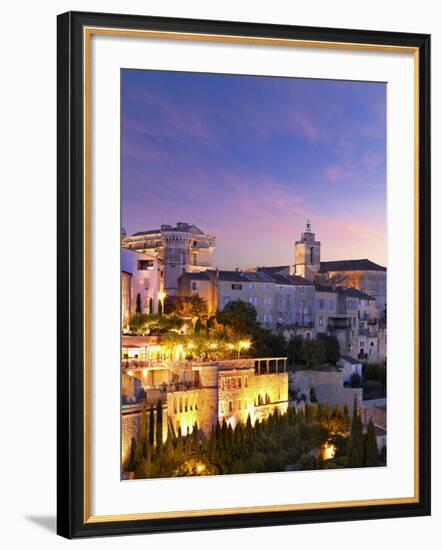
x,y
243,274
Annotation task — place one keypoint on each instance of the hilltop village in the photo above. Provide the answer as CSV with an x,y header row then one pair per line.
x,y
210,355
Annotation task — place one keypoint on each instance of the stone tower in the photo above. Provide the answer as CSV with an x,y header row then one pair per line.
x,y
307,254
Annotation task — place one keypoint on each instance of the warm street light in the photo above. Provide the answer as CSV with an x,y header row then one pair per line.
x,y
161,295
245,344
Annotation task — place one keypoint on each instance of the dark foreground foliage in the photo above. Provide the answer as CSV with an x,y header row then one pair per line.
x,y
294,440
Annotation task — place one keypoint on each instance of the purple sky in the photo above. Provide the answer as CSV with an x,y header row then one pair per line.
x,y
249,159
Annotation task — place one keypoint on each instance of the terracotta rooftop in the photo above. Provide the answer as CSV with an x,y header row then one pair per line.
x,y
350,265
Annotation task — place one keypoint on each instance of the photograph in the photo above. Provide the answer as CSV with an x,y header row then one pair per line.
x,y
253,274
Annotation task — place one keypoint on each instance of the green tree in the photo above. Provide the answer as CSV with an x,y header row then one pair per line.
x,y
371,457
355,452
132,462
151,426
159,430
267,343
144,437
138,307
296,350
241,316
331,347
314,353
198,326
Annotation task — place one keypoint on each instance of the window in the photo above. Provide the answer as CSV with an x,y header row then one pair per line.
x,y
352,304
194,285
236,286
320,303
195,258
330,305
230,406
308,335
238,382
268,301
312,255
251,285
361,344
246,382
144,265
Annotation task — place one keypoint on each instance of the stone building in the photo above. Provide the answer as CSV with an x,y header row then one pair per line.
x,y
196,393
179,249
281,301
307,254
351,316
141,283
363,275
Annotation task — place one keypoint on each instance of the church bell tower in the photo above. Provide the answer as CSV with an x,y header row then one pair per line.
x,y
307,254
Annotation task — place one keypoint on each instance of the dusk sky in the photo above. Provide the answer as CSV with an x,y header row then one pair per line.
x,y
250,159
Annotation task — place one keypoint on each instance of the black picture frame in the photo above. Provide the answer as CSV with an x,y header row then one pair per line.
x,y
72,393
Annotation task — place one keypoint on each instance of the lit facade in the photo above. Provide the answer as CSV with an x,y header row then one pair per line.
x,y
178,249
195,393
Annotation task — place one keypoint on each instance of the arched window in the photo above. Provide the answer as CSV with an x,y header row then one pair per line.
x,y
311,255
181,404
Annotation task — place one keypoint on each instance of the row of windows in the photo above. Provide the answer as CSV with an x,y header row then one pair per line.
x,y
238,286
234,382
230,406
324,304
183,405
252,300
242,404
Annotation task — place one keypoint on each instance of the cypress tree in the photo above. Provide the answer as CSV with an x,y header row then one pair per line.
x,y
355,453
179,448
371,457
195,439
132,462
159,430
144,442
151,426
138,307
346,419
249,429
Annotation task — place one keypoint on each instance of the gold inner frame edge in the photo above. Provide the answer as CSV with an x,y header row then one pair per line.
x,y
134,33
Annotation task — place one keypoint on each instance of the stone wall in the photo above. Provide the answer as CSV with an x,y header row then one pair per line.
x,y
130,427
130,386
328,386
